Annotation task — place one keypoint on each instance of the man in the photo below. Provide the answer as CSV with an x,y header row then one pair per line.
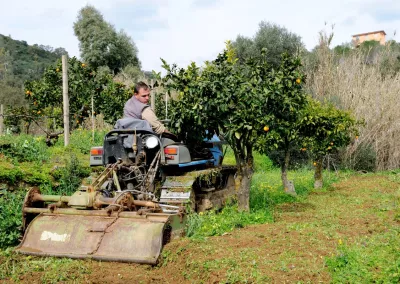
x,y
137,107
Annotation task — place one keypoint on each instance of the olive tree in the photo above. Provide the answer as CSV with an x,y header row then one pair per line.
x,y
270,40
101,45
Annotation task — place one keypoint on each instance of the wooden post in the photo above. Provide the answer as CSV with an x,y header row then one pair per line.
x,y
166,106
93,125
1,119
65,99
152,97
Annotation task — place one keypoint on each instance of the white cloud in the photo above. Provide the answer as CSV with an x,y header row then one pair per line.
x,y
194,30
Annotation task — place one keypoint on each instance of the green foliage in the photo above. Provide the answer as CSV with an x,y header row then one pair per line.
x,y
371,52
215,224
10,217
285,100
343,49
45,95
14,267
82,140
36,164
272,38
71,176
20,62
265,194
326,128
100,44
24,148
374,259
237,100
216,100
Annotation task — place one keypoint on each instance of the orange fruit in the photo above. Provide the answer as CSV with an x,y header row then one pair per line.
x,y
83,64
331,143
314,163
266,128
356,137
28,92
298,80
58,70
38,112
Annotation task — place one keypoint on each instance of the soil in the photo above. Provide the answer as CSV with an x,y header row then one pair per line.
x,y
292,249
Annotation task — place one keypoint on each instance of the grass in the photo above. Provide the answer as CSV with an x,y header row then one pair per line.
x,y
266,192
44,270
371,259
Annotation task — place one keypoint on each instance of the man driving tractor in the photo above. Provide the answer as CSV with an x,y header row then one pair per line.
x,y
137,107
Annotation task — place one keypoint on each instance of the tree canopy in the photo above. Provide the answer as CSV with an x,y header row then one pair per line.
x,y
271,38
101,45
240,101
20,62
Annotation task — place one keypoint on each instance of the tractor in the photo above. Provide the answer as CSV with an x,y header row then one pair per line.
x,y
148,185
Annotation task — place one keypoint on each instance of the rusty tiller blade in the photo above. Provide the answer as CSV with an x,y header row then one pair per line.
x,y
130,238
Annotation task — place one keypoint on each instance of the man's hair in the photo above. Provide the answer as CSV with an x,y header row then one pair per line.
x,y
140,85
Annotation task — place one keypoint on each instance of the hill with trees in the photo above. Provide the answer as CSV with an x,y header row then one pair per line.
x,y
19,62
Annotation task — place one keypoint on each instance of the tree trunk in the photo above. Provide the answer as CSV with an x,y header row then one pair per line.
x,y
28,127
242,186
287,184
244,164
318,181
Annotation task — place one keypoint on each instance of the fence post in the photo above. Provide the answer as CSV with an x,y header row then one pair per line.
x,y
93,122
65,99
152,97
1,119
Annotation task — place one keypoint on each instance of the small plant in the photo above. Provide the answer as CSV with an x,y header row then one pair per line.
x,y
24,148
10,217
82,140
213,223
71,176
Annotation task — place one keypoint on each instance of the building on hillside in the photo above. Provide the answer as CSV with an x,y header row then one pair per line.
x,y
377,36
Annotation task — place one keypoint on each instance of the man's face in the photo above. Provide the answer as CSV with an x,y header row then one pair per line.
x,y
143,96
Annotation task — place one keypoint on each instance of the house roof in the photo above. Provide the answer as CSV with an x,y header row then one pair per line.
x,y
377,32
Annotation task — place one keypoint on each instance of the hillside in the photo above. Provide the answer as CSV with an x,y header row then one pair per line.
x,y
20,62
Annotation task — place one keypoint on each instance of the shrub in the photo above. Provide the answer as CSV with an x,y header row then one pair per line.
x,y
82,140
10,217
24,148
362,159
71,176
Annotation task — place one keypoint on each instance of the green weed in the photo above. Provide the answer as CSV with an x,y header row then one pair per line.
x,y
10,217
82,140
71,176
24,148
52,270
216,223
374,259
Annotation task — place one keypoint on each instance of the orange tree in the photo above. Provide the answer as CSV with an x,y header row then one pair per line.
x,y
45,95
236,100
285,101
325,129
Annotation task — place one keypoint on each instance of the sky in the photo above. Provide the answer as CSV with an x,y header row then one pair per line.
x,y
183,31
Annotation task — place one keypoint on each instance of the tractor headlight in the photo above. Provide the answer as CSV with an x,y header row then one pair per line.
x,y
151,142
